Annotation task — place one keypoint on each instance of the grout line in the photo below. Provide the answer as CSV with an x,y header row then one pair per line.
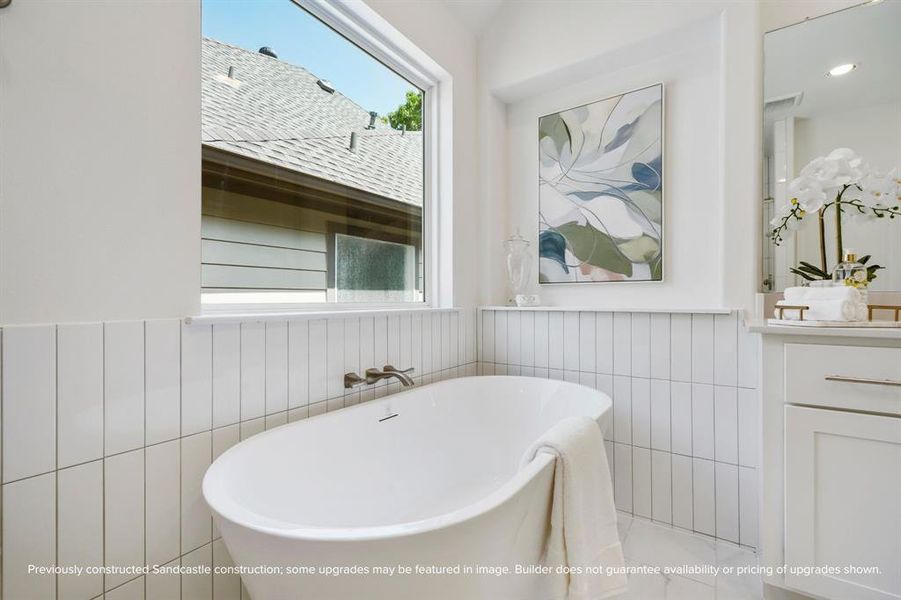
x,y
672,489
144,453
691,414
180,437
2,553
212,402
240,374
631,410
56,457
265,368
212,380
738,433
103,456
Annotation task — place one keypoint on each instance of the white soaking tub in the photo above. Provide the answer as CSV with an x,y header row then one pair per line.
x,y
427,479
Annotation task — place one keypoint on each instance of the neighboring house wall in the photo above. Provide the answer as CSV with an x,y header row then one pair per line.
x,y
254,244
237,256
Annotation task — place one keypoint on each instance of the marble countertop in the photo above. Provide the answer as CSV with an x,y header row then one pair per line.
x,y
762,327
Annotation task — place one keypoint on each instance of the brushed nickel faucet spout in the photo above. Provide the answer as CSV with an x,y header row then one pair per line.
x,y
373,375
403,375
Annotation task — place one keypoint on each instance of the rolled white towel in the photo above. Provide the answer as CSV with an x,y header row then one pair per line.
x,y
825,310
805,295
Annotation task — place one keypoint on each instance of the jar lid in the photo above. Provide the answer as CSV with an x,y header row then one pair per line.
x,y
516,239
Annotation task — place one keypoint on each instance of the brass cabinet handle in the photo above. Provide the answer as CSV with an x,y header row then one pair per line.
x,y
864,380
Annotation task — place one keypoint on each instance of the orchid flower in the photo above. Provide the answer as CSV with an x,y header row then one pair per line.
x,y
857,191
879,191
808,193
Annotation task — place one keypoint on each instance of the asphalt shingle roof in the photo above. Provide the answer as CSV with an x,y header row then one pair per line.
x,y
276,112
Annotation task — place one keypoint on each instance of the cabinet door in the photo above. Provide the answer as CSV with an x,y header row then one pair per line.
x,y
843,503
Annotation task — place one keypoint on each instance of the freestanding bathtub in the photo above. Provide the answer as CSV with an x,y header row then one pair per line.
x,y
415,496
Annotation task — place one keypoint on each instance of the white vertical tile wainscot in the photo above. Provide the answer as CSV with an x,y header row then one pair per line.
x,y
108,428
683,442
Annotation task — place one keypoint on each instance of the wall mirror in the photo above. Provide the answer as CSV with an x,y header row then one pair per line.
x,y
832,82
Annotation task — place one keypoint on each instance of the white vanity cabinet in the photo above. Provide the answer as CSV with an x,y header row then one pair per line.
x,y
843,502
831,464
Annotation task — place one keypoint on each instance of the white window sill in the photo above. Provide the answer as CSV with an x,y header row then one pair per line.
x,y
692,310
263,312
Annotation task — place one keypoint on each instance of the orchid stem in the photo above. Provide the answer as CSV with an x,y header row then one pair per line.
x,y
822,224
839,246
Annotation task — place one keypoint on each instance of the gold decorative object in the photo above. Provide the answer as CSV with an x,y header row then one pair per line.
x,y
798,307
896,308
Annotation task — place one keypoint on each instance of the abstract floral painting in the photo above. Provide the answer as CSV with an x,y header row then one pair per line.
x,y
600,190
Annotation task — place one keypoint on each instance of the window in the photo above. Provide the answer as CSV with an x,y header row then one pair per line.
x,y
314,164
369,270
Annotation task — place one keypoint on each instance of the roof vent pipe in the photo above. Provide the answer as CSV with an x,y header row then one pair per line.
x,y
403,128
268,51
231,72
353,141
372,117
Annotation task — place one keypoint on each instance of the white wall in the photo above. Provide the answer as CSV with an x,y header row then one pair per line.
x,y
99,160
100,155
779,13
539,57
874,132
690,71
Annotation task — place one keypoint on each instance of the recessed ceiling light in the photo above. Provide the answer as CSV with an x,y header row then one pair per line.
x,y
841,69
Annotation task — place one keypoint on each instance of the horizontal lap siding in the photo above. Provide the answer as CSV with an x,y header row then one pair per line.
x,y
215,252
229,230
238,255
221,276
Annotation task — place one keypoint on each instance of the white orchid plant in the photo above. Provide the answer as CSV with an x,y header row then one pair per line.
x,y
842,180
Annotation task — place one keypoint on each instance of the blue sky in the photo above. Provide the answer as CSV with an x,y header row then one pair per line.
x,y
299,38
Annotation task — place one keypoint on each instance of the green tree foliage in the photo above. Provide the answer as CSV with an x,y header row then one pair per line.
x,y
408,114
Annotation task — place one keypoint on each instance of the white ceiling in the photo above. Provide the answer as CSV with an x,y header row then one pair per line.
x,y
475,14
798,58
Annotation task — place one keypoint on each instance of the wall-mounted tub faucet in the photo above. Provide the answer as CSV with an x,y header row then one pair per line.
x,y
373,375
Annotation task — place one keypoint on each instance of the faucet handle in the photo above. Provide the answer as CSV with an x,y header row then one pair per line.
x,y
392,369
352,380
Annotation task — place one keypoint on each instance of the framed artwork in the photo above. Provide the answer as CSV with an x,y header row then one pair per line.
x,y
600,190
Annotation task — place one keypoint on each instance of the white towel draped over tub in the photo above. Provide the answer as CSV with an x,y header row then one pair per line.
x,y
583,534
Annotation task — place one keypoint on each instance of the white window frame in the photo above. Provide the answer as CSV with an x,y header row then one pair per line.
x,y
370,31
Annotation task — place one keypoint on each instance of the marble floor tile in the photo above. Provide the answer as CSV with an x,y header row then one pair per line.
x,y
735,586
653,545
658,586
